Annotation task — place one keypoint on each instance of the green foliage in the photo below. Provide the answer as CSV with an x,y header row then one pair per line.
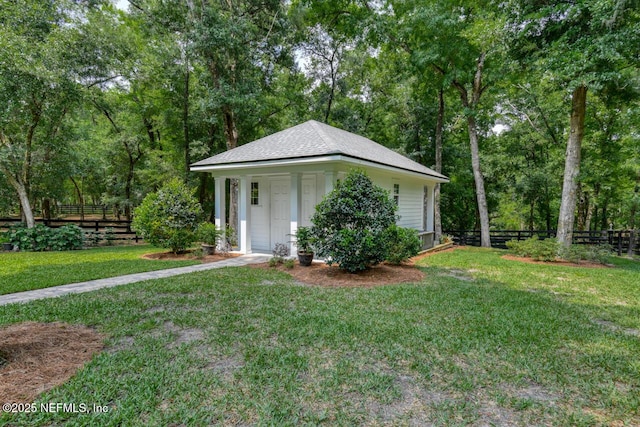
x,y
93,238
350,224
109,235
30,239
540,250
551,250
593,253
208,233
273,262
42,238
304,239
66,238
169,217
403,243
289,263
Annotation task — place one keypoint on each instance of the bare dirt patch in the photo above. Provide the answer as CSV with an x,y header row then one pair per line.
x,y
616,328
189,256
321,274
587,264
183,335
40,356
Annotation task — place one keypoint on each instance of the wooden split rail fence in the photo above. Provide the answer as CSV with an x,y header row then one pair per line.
x,y
121,228
619,240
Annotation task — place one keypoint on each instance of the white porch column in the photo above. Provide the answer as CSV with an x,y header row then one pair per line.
x,y
220,206
330,179
430,207
296,206
244,214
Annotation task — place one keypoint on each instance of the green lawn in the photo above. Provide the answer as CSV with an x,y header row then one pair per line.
x,y
481,341
24,271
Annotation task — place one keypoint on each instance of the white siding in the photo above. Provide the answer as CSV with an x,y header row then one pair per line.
x,y
410,206
410,203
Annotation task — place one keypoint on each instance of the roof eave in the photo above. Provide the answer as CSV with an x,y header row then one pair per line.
x,y
236,166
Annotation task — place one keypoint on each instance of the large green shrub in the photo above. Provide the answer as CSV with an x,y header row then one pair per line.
x,y
550,250
169,217
42,238
66,238
350,224
539,250
30,239
403,243
593,253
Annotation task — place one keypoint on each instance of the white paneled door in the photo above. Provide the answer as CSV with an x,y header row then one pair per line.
x,y
280,211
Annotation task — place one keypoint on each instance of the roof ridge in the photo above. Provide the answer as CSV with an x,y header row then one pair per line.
x,y
317,126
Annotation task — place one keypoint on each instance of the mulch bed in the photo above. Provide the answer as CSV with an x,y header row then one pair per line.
x,y
36,357
321,274
189,255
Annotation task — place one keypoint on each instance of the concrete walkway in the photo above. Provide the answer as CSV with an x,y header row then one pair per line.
x,y
92,285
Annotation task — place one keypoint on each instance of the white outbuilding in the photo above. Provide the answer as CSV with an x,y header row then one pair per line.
x,y
284,175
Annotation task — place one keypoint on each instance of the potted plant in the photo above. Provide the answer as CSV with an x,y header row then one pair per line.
x,y
6,242
303,242
209,235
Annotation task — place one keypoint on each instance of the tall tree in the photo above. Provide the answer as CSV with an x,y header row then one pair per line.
x,y
585,44
49,52
35,90
458,40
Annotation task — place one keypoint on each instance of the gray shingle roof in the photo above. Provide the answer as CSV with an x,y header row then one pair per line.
x,y
314,139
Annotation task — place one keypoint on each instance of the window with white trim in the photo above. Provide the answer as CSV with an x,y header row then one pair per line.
x,y
255,194
396,193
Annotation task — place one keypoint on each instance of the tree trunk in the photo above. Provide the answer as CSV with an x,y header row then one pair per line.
x,y
439,131
471,105
231,134
632,218
127,188
481,195
25,204
80,197
532,205
572,167
582,203
185,121
46,208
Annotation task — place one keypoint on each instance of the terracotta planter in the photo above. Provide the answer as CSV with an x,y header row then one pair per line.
x,y
208,249
305,258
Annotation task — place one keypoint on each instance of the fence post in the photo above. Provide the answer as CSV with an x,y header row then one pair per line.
x,y
619,243
632,241
97,225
